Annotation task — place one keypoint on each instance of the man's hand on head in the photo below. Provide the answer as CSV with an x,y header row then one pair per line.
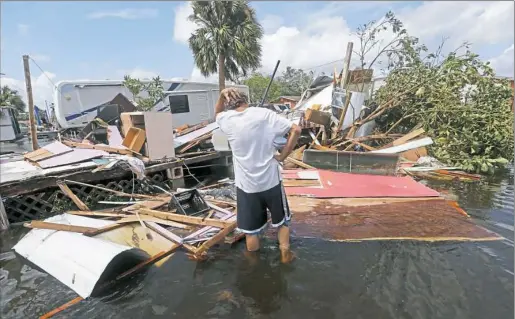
x,y
229,94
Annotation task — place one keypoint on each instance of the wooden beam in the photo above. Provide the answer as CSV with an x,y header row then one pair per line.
x,y
61,227
98,214
68,192
147,218
101,230
299,163
122,194
30,100
185,219
104,148
408,137
216,238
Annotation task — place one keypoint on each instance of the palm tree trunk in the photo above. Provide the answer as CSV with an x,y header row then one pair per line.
x,y
221,72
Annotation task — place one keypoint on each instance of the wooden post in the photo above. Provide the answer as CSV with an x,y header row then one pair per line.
x,y
346,65
4,221
32,121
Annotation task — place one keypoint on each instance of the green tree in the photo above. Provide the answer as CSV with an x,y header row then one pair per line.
x,y
11,98
257,84
153,91
295,81
227,40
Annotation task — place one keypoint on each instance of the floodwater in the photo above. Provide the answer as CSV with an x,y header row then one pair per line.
x,y
328,280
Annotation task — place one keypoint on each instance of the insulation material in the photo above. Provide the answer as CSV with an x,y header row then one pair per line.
x,y
422,220
75,260
335,184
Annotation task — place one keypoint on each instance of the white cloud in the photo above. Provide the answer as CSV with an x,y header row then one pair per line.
x,y
271,23
321,36
138,73
42,87
128,14
23,29
183,28
503,64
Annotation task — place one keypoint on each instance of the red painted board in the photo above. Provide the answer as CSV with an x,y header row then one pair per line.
x,y
336,184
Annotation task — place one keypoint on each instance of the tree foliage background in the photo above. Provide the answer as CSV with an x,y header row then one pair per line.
x,y
11,98
455,97
228,39
146,95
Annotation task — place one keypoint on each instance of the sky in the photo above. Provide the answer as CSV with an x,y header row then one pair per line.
x,y
95,40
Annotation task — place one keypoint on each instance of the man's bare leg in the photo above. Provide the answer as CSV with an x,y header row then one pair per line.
x,y
284,244
252,242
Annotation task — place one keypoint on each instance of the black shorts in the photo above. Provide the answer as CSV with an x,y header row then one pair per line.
x,y
252,209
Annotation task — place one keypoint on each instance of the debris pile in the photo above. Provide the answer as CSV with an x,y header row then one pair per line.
x,y
329,114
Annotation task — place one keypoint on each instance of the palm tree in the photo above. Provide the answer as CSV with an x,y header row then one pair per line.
x,y
227,40
11,98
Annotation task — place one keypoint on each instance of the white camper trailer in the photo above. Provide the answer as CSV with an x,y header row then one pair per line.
x,y
76,102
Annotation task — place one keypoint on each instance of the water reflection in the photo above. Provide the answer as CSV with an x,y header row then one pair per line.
x,y
261,282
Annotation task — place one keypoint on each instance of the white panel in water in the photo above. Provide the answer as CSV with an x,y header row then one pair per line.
x,y
75,260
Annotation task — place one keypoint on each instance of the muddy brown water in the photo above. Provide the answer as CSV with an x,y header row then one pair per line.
x,y
328,280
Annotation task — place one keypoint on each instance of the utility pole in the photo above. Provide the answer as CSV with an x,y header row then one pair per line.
x,y
32,121
346,65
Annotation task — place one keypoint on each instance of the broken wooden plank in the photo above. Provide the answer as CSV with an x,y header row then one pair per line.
x,y
405,147
68,192
185,219
48,151
408,137
122,194
98,231
94,213
300,183
298,163
216,238
131,219
104,148
164,232
59,227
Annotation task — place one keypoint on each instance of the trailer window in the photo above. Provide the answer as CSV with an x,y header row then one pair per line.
x,y
179,104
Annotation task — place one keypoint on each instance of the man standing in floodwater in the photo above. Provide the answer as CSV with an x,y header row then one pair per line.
x,y
251,132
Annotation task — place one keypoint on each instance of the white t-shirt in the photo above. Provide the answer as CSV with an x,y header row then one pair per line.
x,y
251,135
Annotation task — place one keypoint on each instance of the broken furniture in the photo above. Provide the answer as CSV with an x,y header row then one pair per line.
x,y
158,130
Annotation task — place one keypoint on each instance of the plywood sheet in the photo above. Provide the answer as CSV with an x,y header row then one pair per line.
x,y
335,184
425,220
75,156
48,151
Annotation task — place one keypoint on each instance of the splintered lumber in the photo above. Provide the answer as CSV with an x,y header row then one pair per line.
x,y
145,218
185,219
298,163
61,227
150,204
408,137
68,192
122,194
104,148
97,214
297,154
318,117
216,238
98,231
164,232
221,202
